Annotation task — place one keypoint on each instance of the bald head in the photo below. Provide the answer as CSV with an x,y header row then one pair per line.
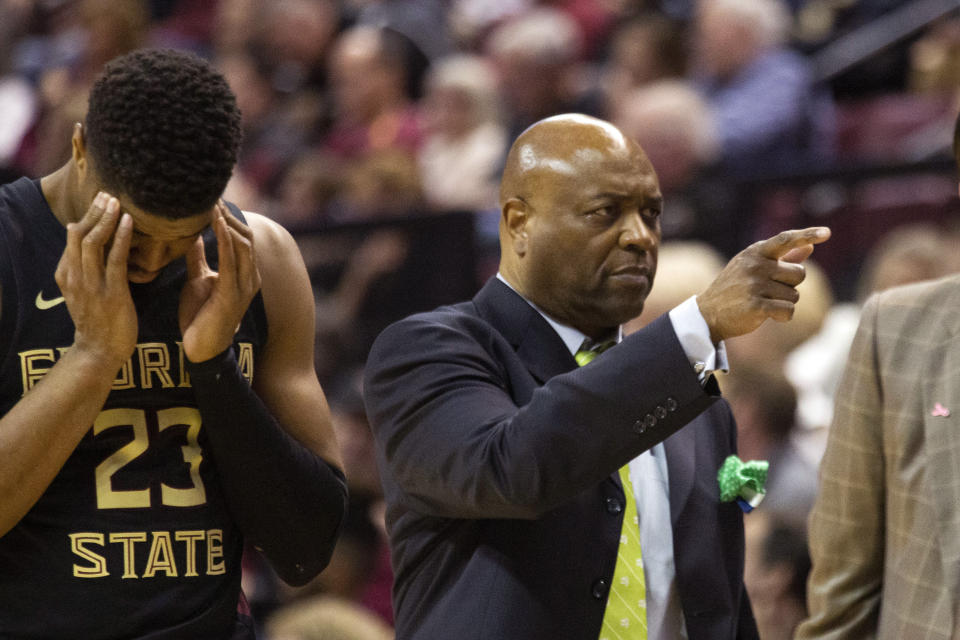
x,y
557,148
580,224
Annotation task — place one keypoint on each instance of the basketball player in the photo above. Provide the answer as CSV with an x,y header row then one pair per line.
x,y
158,398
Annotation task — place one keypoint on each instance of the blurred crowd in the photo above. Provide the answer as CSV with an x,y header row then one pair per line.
x,y
375,130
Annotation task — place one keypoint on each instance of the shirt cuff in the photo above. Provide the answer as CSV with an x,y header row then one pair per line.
x,y
694,336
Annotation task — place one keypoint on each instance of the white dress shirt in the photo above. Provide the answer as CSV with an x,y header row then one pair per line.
x,y
648,473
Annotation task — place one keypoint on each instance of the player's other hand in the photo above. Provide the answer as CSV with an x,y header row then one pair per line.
x,y
759,283
212,303
92,276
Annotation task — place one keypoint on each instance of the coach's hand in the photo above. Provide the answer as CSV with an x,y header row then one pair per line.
x,y
212,303
759,283
95,290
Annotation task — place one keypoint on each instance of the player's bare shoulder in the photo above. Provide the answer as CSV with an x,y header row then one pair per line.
x,y
267,234
276,249
283,273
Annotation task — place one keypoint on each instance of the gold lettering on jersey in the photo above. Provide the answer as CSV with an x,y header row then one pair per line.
x,y
149,367
128,539
192,455
97,567
191,537
107,496
169,550
245,361
161,556
215,564
136,419
124,379
34,364
154,361
182,359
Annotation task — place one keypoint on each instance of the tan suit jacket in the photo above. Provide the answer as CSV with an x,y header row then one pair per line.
x,y
885,529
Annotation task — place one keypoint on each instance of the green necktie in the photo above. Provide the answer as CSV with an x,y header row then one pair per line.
x,y
626,614
590,350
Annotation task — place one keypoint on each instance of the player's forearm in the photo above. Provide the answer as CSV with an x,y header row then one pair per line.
x,y
287,500
41,431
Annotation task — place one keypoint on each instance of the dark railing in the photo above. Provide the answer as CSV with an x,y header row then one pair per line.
x,y
868,40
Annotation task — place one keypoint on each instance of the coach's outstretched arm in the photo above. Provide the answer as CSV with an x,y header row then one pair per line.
x,y
431,379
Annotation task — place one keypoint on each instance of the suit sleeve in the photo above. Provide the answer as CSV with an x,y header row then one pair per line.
x,y
454,441
847,522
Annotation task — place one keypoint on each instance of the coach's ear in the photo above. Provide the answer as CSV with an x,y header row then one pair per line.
x,y
516,216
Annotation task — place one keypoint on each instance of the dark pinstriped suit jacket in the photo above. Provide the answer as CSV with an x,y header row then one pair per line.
x,y
498,458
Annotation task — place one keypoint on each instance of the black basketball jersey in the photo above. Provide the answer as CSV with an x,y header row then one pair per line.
x,y
133,539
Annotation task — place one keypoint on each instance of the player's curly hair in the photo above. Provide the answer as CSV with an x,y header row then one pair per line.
x,y
163,128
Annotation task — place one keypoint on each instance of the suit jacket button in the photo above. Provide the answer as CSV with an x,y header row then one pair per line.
x,y
639,427
672,404
649,421
613,506
660,412
599,589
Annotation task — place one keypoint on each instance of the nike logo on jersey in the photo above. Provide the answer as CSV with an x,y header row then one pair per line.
x,y
44,304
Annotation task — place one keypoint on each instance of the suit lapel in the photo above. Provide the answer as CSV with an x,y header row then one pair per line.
x,y
536,343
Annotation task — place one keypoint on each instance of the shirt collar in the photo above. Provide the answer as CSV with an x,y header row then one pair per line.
x,y
572,338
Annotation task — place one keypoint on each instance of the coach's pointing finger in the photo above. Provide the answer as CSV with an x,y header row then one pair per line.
x,y
758,283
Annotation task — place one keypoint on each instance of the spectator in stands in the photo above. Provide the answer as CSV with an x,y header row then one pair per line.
x,y
266,141
537,56
644,49
235,25
111,29
673,121
307,191
374,108
775,573
595,21
18,96
470,21
465,142
106,29
768,113
424,22
296,37
383,183
274,55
